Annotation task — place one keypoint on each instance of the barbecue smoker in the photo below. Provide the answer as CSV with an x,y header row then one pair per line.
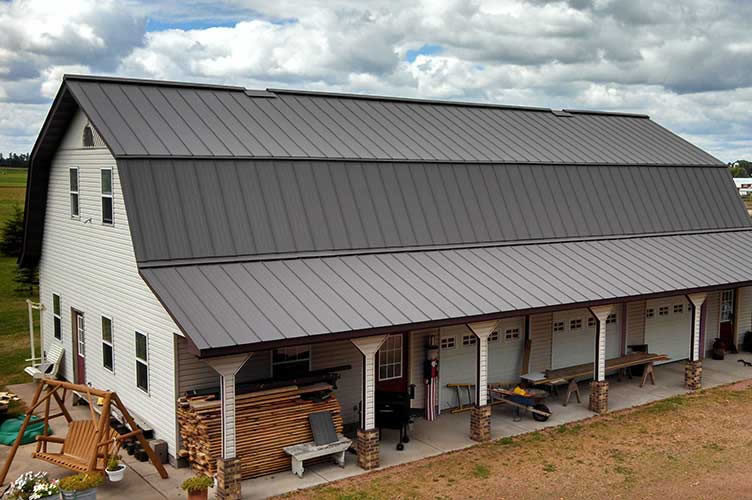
x,y
393,412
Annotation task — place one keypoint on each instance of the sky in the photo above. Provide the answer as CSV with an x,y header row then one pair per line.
x,y
687,63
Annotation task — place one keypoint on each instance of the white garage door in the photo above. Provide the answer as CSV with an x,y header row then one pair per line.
x,y
574,338
505,347
668,324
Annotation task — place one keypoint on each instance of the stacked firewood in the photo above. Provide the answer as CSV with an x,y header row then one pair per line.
x,y
265,423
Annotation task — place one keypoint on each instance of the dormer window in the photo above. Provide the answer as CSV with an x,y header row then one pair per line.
x,y
88,138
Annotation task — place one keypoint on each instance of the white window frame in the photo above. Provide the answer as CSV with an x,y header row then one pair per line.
x,y
449,342
559,326
663,311
649,312
76,193
726,312
57,318
575,324
109,196
400,361
611,319
144,362
273,364
678,308
509,335
494,336
468,340
111,342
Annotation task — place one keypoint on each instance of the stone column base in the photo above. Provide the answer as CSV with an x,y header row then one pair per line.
x,y
368,449
693,375
480,423
228,479
599,396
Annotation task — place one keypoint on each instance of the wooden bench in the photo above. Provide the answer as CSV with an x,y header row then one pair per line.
x,y
307,451
51,366
79,448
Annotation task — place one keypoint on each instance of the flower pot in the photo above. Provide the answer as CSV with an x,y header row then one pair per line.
x,y
90,494
117,474
198,495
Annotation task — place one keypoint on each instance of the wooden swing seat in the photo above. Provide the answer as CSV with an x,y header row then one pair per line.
x,y
78,446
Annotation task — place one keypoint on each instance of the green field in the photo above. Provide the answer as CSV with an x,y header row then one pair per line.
x,y
14,325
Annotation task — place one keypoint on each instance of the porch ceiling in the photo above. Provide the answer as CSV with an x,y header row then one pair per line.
x,y
222,306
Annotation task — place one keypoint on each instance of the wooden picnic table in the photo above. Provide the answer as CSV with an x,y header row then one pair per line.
x,y
570,374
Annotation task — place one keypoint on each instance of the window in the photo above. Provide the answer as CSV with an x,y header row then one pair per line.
x,y
678,308
57,319
468,340
512,335
107,361
575,324
74,208
649,313
390,358
591,322
106,175
494,336
291,362
663,311
88,138
611,319
558,326
727,306
447,343
142,362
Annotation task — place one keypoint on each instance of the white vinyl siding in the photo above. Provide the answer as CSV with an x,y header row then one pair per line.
x,y
541,330
668,332
418,342
712,319
93,269
636,323
57,320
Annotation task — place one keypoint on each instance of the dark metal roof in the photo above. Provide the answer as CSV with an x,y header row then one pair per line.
x,y
138,118
222,306
187,209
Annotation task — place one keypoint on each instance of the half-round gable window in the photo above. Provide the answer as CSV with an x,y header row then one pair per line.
x,y
88,137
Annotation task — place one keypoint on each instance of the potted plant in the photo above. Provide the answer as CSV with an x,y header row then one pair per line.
x,y
82,486
115,469
33,486
197,487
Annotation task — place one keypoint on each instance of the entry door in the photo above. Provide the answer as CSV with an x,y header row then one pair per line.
x,y
79,346
726,327
391,364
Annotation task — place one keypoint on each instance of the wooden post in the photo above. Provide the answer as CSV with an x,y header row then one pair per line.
x,y
17,442
368,436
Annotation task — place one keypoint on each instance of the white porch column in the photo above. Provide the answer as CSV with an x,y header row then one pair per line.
x,y
599,386
696,299
480,415
227,367
693,368
368,435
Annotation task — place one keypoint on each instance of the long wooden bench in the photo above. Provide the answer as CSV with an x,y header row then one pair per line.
x,y
569,375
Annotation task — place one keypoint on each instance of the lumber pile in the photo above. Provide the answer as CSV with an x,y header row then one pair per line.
x,y
265,422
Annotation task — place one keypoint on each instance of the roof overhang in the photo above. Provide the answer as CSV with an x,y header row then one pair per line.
x,y
251,306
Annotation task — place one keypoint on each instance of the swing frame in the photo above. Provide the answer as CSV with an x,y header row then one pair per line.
x,y
92,451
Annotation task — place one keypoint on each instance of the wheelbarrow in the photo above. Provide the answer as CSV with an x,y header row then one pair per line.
x,y
532,402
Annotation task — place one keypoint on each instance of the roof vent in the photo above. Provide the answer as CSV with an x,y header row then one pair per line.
x,y
88,138
562,113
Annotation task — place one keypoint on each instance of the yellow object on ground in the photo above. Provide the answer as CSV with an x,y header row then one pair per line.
x,y
519,390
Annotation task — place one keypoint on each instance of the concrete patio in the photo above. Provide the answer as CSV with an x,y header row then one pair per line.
x,y
451,431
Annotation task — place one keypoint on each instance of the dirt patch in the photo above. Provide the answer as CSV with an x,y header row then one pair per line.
x,y
740,386
692,446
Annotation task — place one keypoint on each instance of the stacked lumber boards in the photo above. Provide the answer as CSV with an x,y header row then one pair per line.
x,y
265,423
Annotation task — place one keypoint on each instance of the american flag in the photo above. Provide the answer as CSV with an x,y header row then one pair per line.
x,y
431,398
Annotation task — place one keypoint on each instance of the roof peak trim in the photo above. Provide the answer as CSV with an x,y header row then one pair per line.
x,y
146,81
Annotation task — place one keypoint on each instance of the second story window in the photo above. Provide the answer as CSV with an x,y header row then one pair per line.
x,y
57,318
74,202
106,196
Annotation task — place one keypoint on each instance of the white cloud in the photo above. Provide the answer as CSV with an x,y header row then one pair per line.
x,y
687,67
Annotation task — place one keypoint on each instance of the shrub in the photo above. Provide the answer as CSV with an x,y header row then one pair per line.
x,y
81,482
197,483
113,463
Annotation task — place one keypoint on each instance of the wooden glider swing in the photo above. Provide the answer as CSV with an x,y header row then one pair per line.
x,y
89,443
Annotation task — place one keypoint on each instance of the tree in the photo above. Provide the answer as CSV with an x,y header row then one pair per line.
x,y
11,238
741,168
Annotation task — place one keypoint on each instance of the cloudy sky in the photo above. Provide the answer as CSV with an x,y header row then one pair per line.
x,y
687,63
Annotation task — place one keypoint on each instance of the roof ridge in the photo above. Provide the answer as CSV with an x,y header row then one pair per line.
x,y
147,81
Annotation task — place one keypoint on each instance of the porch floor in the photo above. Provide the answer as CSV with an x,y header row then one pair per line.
x,y
451,431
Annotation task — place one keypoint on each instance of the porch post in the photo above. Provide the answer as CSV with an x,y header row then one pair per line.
x,y
480,415
599,385
693,368
368,435
228,466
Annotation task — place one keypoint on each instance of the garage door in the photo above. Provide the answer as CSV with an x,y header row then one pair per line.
x,y
668,324
574,338
505,346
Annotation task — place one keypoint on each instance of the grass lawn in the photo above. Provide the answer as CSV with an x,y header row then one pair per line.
x,y
690,446
14,325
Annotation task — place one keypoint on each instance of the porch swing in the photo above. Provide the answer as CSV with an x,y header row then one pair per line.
x,y
88,443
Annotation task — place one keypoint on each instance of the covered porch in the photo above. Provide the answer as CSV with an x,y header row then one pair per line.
x,y
450,430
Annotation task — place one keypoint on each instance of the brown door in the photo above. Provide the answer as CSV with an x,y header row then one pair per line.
x,y
726,329
391,364
79,346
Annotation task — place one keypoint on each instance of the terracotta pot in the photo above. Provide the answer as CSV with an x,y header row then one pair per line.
x,y
198,495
